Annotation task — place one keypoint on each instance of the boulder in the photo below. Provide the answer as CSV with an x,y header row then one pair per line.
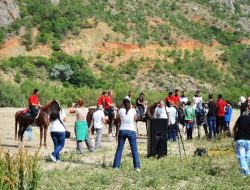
x,y
9,11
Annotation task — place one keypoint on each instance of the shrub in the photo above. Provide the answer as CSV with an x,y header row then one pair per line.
x,y
61,72
20,171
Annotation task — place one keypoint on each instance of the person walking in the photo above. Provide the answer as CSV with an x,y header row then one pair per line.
x,y
57,132
242,138
127,116
81,126
189,113
211,117
98,121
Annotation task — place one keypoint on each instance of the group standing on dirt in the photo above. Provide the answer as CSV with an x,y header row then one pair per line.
x,y
183,117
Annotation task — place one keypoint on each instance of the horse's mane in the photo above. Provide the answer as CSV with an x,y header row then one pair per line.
x,y
151,109
51,105
46,106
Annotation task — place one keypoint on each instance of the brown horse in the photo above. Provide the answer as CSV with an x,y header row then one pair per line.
x,y
148,115
42,121
89,119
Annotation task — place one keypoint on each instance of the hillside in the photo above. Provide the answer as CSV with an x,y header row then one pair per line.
x,y
73,48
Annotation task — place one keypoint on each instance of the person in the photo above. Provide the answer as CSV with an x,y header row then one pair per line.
x,y
140,104
34,104
189,117
197,98
220,115
101,99
81,126
247,111
242,138
127,116
176,98
129,96
201,112
228,115
242,104
98,121
173,115
109,110
160,111
57,132
169,98
211,117
30,133
184,98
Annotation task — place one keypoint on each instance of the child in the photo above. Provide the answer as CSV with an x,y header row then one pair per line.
x,y
189,117
228,115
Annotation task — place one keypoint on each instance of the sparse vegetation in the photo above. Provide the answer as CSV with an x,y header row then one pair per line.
x,y
20,171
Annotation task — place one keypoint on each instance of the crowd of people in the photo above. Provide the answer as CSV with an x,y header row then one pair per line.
x,y
183,115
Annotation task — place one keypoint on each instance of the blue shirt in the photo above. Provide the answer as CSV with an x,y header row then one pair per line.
x,y
228,114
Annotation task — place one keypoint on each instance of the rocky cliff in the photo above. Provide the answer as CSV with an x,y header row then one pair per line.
x,y
9,11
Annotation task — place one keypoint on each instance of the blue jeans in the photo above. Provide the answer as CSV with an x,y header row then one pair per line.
x,y
243,155
211,121
29,131
59,141
172,132
123,135
189,128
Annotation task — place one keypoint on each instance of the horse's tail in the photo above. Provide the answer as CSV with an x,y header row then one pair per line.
x,y
16,122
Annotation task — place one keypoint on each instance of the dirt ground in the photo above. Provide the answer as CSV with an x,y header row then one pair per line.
x,y
8,142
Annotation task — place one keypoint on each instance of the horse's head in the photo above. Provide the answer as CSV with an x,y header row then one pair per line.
x,y
52,106
150,111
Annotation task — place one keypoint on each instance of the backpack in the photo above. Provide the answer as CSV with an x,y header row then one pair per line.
x,y
200,114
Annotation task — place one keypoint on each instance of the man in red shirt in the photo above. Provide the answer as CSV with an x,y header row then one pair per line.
x,y
101,99
170,98
176,98
109,108
220,115
34,103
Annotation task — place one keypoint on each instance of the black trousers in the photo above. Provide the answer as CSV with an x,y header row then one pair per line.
x,y
110,114
33,111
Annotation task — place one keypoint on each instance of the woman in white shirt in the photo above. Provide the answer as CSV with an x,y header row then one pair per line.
x,y
57,132
127,116
160,111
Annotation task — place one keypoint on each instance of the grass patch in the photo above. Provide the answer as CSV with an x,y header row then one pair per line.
x,y
215,172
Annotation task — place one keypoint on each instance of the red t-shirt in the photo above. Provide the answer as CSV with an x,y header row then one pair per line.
x,y
169,99
33,99
176,100
101,100
108,100
221,104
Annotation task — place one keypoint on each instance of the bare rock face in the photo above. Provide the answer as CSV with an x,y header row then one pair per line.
x,y
55,2
9,11
228,3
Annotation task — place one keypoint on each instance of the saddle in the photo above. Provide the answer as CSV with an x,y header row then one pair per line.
x,y
27,113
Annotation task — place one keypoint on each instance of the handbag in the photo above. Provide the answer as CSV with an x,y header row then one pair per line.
x,y
67,133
